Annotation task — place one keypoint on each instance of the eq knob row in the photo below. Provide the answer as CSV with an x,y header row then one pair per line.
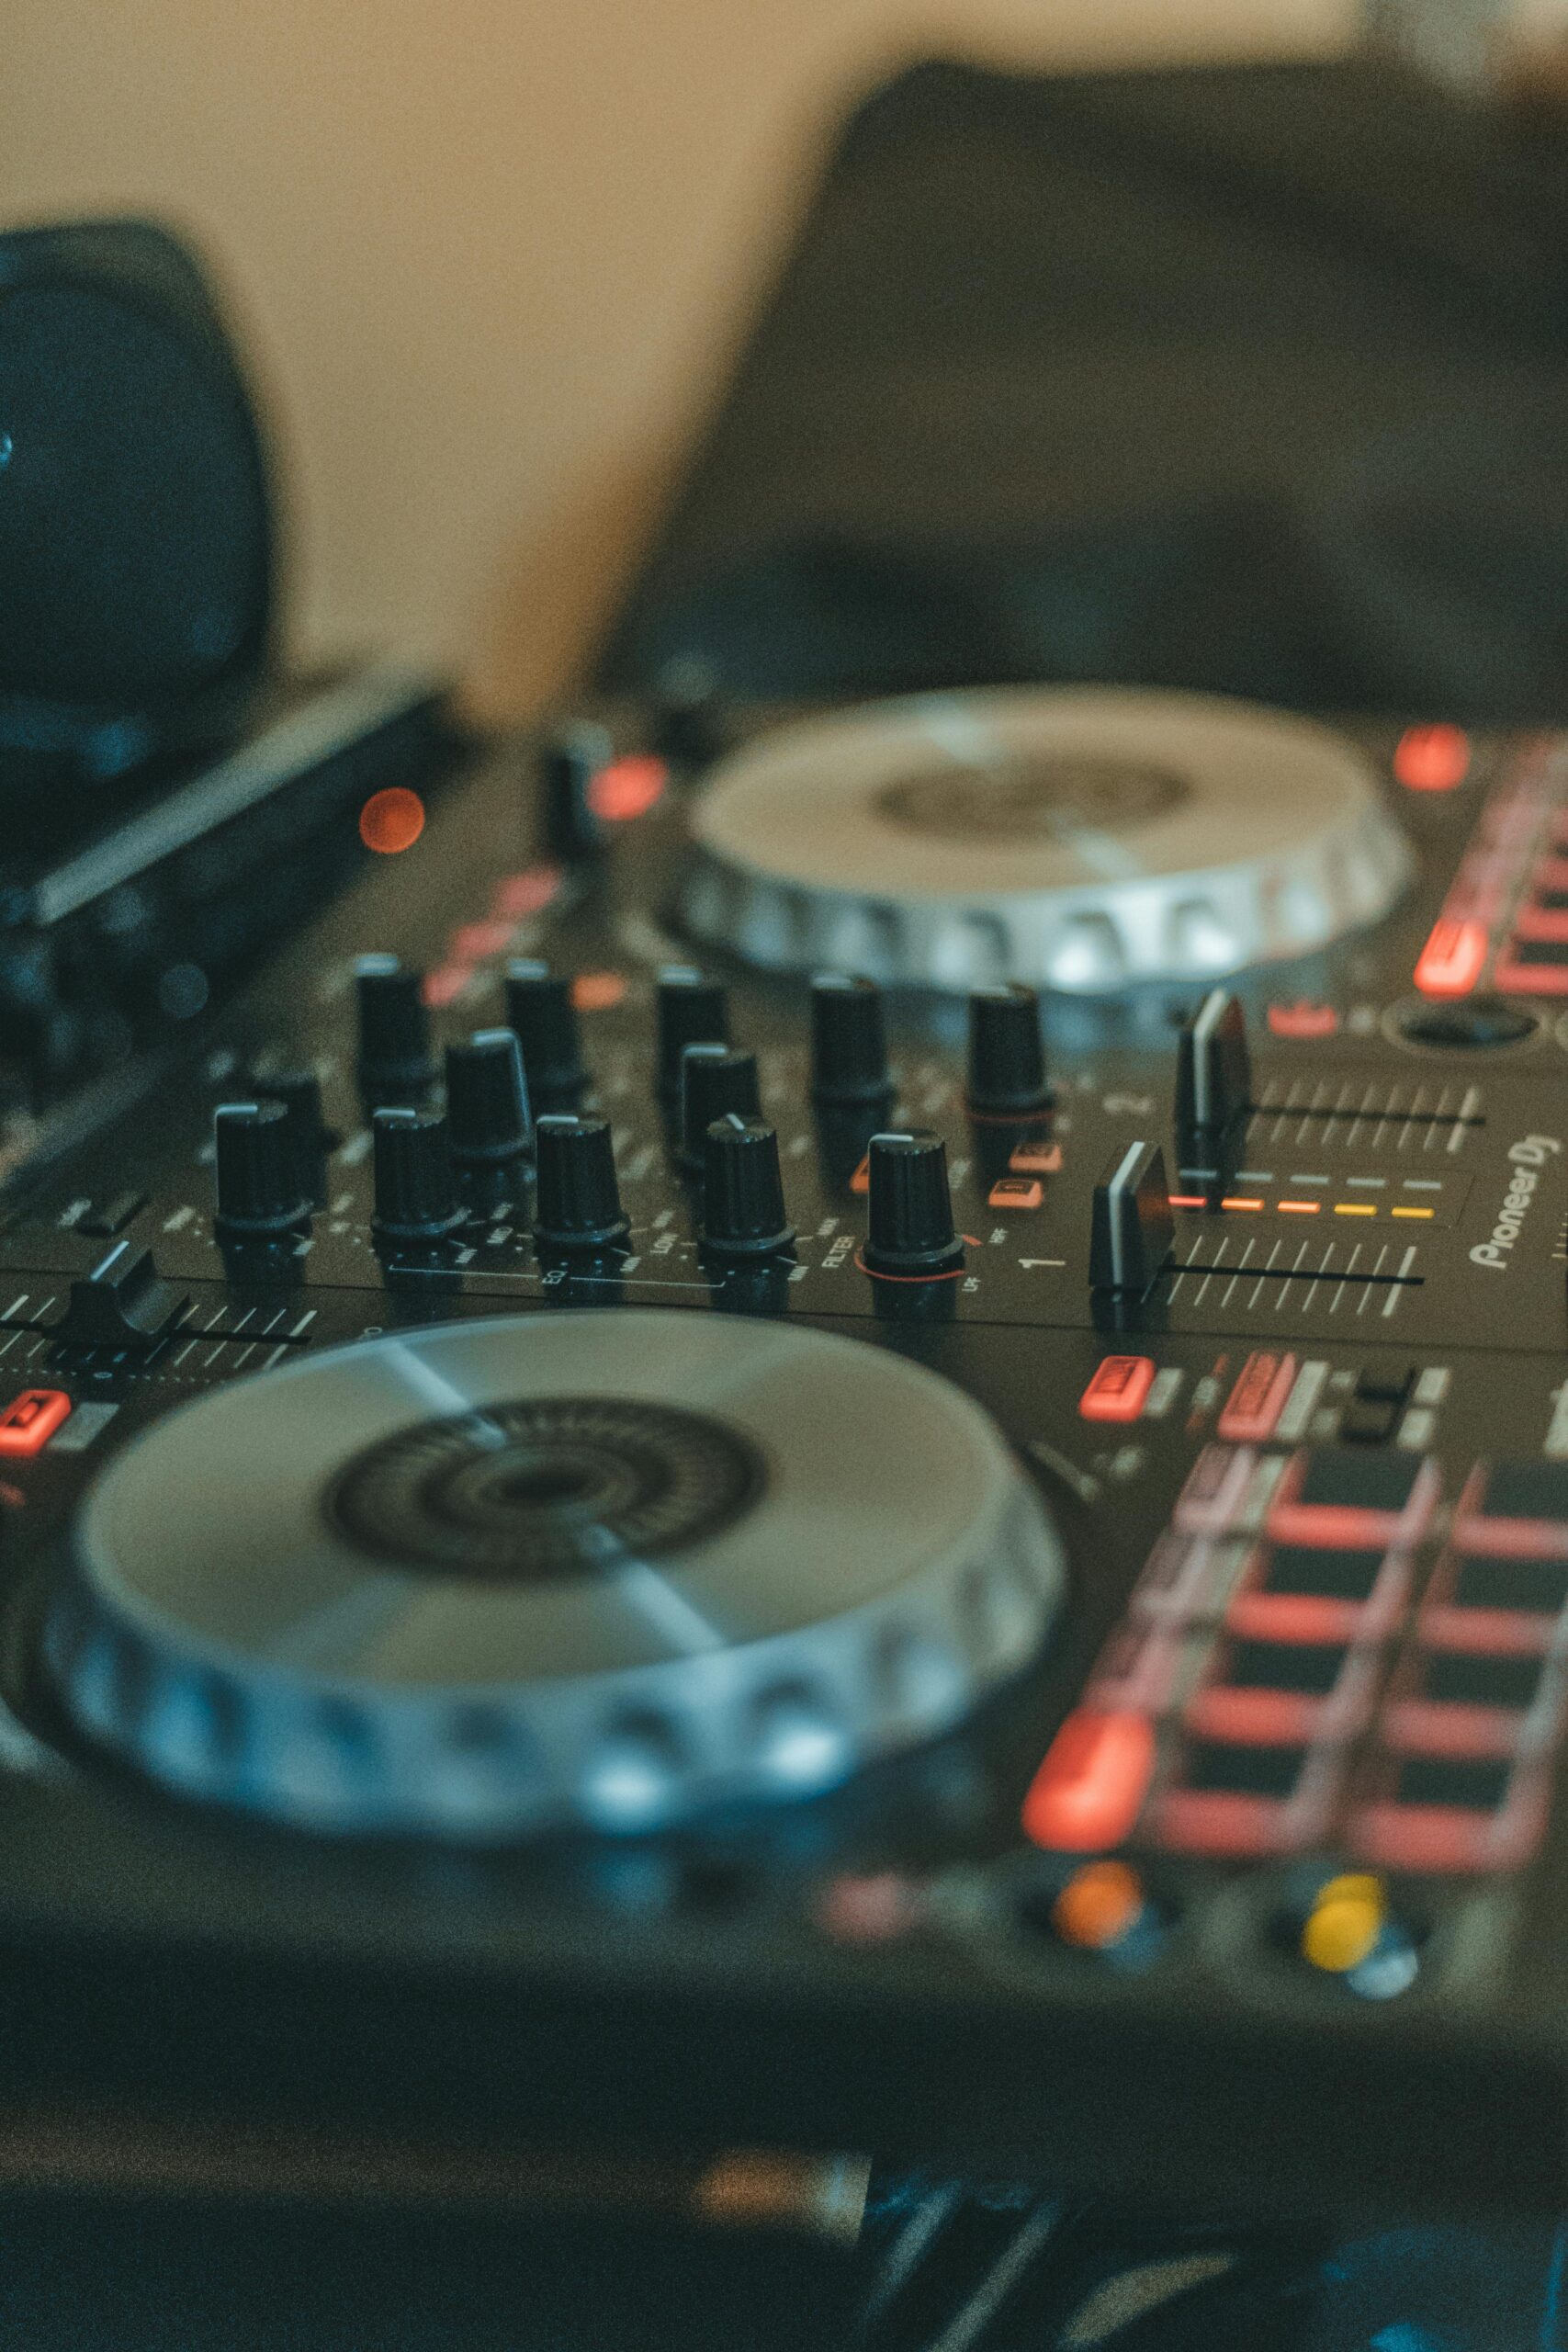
x,y
396,1062
428,1165
269,1153
417,1196
1006,1067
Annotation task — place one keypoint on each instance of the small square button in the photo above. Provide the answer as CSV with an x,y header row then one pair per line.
x,y
1385,1384
106,1218
1474,1679
1016,1193
1215,1767
1331,1576
1533,1587
1354,1497
29,1420
1470,1784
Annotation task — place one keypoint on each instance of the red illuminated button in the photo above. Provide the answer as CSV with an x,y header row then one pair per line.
x,y
861,1180
1452,959
1353,1500
1432,759
1256,1401
1515,1509
1247,1799
29,1420
1118,1389
1541,923
1473,1704
1279,1693
1296,1593
1534,968
1089,1790
1456,1814
1016,1193
1302,1020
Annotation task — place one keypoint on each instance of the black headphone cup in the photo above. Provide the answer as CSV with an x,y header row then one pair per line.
x,y
136,536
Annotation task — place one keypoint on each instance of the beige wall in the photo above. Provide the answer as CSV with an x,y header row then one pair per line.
x,y
488,254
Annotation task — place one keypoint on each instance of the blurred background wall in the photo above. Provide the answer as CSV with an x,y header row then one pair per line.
x,y
489,257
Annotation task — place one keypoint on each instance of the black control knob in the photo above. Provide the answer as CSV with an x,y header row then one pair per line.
x,y
570,760
578,1202
1134,1229
540,1013
395,1063
693,1011
910,1210
1007,1053
1213,1071
488,1119
743,1203
310,1138
715,1081
849,1041
123,1302
687,719
259,1192
416,1197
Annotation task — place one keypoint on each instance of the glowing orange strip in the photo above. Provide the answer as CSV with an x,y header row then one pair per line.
x,y
1451,961
1298,1208
1231,1202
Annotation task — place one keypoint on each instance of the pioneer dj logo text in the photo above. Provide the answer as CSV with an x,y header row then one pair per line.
x,y
1528,1157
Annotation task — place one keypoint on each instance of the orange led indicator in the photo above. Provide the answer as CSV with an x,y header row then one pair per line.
x,y
1451,961
1099,1904
597,991
628,788
1432,759
1298,1208
391,820
860,1183
1235,1201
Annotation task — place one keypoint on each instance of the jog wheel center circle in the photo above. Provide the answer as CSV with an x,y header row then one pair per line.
x,y
546,1487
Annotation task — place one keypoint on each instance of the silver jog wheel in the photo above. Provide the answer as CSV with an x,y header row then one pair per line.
x,y
1076,838
598,1568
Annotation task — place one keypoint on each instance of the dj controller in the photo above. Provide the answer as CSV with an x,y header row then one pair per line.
x,y
845,1427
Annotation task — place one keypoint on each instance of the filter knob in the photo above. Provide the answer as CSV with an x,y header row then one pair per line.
x,y
911,1229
